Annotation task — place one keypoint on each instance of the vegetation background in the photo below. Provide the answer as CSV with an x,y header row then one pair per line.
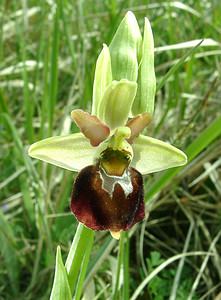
x,y
47,62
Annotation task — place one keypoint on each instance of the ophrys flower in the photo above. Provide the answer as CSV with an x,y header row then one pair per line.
x,y
110,154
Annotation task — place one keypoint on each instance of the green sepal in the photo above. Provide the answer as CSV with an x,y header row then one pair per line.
x,y
144,101
124,49
61,289
117,102
72,152
102,77
152,155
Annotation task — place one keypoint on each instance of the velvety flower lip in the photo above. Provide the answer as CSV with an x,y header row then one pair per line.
x,y
110,153
100,209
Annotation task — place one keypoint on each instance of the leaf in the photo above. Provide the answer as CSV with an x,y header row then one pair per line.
x,y
61,289
102,77
72,152
177,66
116,103
152,155
9,253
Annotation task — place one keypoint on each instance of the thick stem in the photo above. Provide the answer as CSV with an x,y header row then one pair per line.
x,y
78,250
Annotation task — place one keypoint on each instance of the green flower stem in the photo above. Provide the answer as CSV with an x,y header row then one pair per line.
x,y
126,285
199,144
119,265
122,266
84,266
78,254
99,257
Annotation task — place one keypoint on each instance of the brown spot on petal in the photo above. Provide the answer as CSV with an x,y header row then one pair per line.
x,y
93,129
101,209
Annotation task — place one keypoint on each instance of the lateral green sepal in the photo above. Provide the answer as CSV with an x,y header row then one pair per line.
x,y
72,152
152,155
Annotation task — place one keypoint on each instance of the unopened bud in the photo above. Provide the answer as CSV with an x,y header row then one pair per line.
x,y
144,101
124,49
102,77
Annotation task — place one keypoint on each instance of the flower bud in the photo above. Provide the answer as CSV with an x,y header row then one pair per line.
x,y
124,49
102,77
144,100
120,63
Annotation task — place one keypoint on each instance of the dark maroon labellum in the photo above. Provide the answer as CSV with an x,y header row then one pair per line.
x,y
103,202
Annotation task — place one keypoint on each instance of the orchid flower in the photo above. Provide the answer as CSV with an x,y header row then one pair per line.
x,y
110,154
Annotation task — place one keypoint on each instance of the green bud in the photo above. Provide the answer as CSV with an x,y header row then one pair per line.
x,y
102,77
144,101
117,102
124,49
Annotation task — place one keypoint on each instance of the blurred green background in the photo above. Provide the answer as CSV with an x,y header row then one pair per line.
x,y
47,62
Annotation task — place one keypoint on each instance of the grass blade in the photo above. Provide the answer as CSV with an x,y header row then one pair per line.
x,y
177,66
54,66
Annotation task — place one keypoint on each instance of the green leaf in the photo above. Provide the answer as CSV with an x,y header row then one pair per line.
x,y
144,101
152,155
102,77
124,49
61,289
54,54
116,103
82,241
72,152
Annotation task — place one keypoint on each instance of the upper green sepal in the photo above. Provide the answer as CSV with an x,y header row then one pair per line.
x,y
61,289
152,155
124,49
102,77
116,103
144,101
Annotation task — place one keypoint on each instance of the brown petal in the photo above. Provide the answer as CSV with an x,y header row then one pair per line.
x,y
137,124
90,126
103,202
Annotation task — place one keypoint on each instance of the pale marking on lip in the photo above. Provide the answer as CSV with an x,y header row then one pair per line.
x,y
115,234
109,182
